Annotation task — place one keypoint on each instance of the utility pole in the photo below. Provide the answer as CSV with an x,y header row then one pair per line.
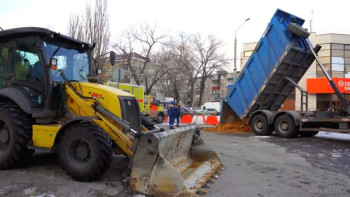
x,y
235,51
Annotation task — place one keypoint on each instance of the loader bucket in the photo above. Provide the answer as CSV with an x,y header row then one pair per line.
x,y
173,163
227,114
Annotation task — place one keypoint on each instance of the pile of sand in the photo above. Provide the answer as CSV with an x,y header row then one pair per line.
x,y
239,126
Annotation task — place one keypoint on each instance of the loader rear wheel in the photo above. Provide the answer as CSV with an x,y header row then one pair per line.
x,y
15,132
85,151
260,125
285,127
308,133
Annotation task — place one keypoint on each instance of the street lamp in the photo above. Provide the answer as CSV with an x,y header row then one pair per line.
x,y
234,58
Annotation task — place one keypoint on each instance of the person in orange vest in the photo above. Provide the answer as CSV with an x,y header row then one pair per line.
x,y
177,113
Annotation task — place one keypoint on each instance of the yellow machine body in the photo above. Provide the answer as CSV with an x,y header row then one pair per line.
x,y
169,163
45,135
108,98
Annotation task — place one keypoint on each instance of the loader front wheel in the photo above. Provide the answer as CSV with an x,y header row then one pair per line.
x,y
15,132
85,151
260,125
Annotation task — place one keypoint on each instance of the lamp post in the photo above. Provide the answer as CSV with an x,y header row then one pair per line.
x,y
235,51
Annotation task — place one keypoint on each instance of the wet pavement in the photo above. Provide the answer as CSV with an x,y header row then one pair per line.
x,y
254,166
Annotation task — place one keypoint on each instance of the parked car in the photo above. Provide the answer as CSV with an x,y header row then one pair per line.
x,y
210,112
186,111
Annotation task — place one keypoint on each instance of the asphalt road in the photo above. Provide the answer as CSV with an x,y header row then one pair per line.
x,y
254,166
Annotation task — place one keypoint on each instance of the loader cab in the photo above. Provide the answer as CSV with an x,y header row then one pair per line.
x,y
27,76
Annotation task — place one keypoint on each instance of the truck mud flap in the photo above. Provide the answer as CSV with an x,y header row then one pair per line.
x,y
227,114
173,163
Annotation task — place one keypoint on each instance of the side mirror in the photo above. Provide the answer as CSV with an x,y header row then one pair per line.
x,y
53,63
112,57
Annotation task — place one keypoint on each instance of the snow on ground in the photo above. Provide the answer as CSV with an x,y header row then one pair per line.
x,y
330,135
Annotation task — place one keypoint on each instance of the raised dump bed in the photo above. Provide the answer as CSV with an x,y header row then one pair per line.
x,y
262,84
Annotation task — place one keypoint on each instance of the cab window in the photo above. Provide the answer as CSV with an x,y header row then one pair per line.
x,y
28,70
145,101
27,66
3,63
153,101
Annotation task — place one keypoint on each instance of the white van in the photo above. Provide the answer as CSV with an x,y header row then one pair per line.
x,y
210,105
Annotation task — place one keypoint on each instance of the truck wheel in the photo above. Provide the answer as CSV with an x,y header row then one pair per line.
x,y
160,118
15,132
260,125
285,127
296,29
85,151
308,133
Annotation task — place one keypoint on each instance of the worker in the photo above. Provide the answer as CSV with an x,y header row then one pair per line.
x,y
171,114
177,113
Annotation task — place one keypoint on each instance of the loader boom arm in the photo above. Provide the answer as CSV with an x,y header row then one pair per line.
x,y
111,129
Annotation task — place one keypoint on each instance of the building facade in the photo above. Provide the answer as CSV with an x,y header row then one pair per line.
x,y
214,91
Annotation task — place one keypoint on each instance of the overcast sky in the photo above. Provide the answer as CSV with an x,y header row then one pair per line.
x,y
217,17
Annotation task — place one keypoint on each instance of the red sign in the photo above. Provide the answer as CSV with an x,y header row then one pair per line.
x,y
321,85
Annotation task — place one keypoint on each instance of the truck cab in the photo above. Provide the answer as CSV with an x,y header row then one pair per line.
x,y
153,109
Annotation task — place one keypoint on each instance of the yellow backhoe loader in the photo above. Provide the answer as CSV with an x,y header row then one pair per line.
x,y
50,98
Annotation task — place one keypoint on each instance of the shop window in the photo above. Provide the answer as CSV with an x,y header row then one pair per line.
x,y
324,102
338,67
338,46
338,53
347,53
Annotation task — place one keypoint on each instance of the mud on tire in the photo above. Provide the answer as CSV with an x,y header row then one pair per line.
x,y
15,132
85,151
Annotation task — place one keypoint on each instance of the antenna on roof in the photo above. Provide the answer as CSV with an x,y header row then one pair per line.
x,y
311,21
1,29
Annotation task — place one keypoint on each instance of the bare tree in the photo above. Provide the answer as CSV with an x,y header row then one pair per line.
x,y
92,26
187,71
206,52
143,41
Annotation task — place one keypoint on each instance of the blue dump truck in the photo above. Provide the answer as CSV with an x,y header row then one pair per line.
x,y
280,59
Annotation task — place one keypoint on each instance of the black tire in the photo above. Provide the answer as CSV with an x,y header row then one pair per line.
x,y
260,125
15,133
296,29
160,119
85,151
308,133
285,127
